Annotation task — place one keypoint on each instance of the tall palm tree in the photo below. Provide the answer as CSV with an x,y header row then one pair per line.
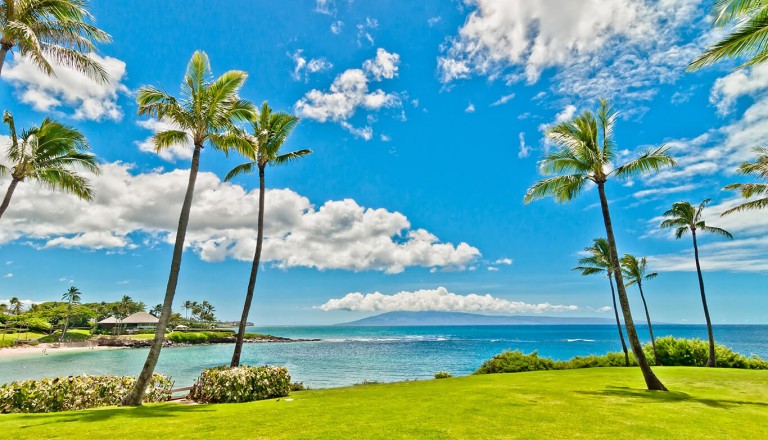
x,y
16,306
187,306
156,310
749,19
634,271
585,154
262,149
685,217
760,169
204,115
598,262
52,30
72,297
50,154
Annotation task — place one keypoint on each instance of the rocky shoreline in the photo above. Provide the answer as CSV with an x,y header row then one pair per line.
x,y
106,341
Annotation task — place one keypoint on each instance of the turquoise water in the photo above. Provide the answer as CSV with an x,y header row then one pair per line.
x,y
348,355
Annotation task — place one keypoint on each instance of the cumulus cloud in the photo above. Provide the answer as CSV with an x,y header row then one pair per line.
x,y
339,234
88,99
350,92
304,67
601,47
745,82
439,299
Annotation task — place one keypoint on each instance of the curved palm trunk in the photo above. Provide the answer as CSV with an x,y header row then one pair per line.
x,y
8,195
254,271
650,326
3,52
618,322
136,395
66,325
651,381
711,359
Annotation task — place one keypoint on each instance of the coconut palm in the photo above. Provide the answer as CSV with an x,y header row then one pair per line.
x,y
16,306
52,30
747,190
634,271
685,217
49,154
187,306
585,154
262,149
72,297
156,310
204,115
749,19
598,262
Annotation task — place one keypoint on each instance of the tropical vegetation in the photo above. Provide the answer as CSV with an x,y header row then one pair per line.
x,y
634,271
758,168
586,153
72,297
685,218
240,384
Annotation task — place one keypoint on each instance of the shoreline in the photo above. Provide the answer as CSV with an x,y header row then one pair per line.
x,y
49,348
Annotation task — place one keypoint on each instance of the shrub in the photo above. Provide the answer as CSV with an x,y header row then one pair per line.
x,y
365,382
443,375
240,384
695,352
514,362
196,337
298,386
71,336
37,325
76,392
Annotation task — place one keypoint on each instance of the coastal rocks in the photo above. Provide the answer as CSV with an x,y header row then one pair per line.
x,y
125,342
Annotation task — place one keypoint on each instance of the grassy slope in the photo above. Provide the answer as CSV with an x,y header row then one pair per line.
x,y
591,403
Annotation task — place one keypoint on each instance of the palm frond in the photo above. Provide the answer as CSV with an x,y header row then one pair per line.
x,y
746,206
289,157
245,168
562,188
717,231
651,160
749,38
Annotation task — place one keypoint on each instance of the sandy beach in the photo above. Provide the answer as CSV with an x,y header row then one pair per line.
x,y
45,349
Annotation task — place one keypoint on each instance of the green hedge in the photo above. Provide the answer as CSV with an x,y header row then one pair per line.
x,y
76,392
240,384
196,337
672,352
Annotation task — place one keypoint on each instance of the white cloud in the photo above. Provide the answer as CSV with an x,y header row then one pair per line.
x,y
524,150
364,30
69,88
505,261
503,100
744,82
327,7
601,47
335,235
439,299
470,108
385,138
657,192
25,303
337,26
604,309
304,67
177,151
433,21
492,269
8,275
350,92
565,115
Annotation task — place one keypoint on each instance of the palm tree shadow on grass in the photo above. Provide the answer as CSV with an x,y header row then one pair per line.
x,y
651,396
99,415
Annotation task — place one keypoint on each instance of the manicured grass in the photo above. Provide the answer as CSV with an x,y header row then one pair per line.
x,y
588,403
72,335
22,336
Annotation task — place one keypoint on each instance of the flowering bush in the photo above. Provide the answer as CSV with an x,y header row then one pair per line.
x,y
240,384
76,392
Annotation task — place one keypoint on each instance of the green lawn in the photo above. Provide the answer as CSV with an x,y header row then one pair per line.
x,y
589,403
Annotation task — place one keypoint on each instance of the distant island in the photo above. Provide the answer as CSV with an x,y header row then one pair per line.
x,y
395,319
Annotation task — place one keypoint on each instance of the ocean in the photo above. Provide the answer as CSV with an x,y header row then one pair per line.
x,y
349,355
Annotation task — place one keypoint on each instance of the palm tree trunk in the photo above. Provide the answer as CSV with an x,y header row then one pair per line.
x,y
711,359
4,48
254,271
618,322
8,195
650,326
66,324
136,395
651,381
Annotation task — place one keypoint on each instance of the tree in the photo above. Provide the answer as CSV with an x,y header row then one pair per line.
x,y
634,272
72,297
3,309
122,310
598,262
684,217
204,115
749,19
156,310
585,154
52,30
206,312
262,149
187,306
196,309
16,306
747,190
49,154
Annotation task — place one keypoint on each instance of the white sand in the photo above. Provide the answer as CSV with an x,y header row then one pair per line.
x,y
45,349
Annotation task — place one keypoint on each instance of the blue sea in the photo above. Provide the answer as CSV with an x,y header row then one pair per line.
x,y
349,355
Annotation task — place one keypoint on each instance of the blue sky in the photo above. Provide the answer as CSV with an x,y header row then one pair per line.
x,y
426,120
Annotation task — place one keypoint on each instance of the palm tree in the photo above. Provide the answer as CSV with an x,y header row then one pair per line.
x,y
206,312
3,309
585,154
16,306
749,19
72,297
684,217
156,310
196,309
634,271
262,148
49,154
598,262
45,30
205,115
759,168
187,306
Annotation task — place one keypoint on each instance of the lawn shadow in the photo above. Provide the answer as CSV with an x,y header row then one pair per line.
x,y
98,415
668,396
